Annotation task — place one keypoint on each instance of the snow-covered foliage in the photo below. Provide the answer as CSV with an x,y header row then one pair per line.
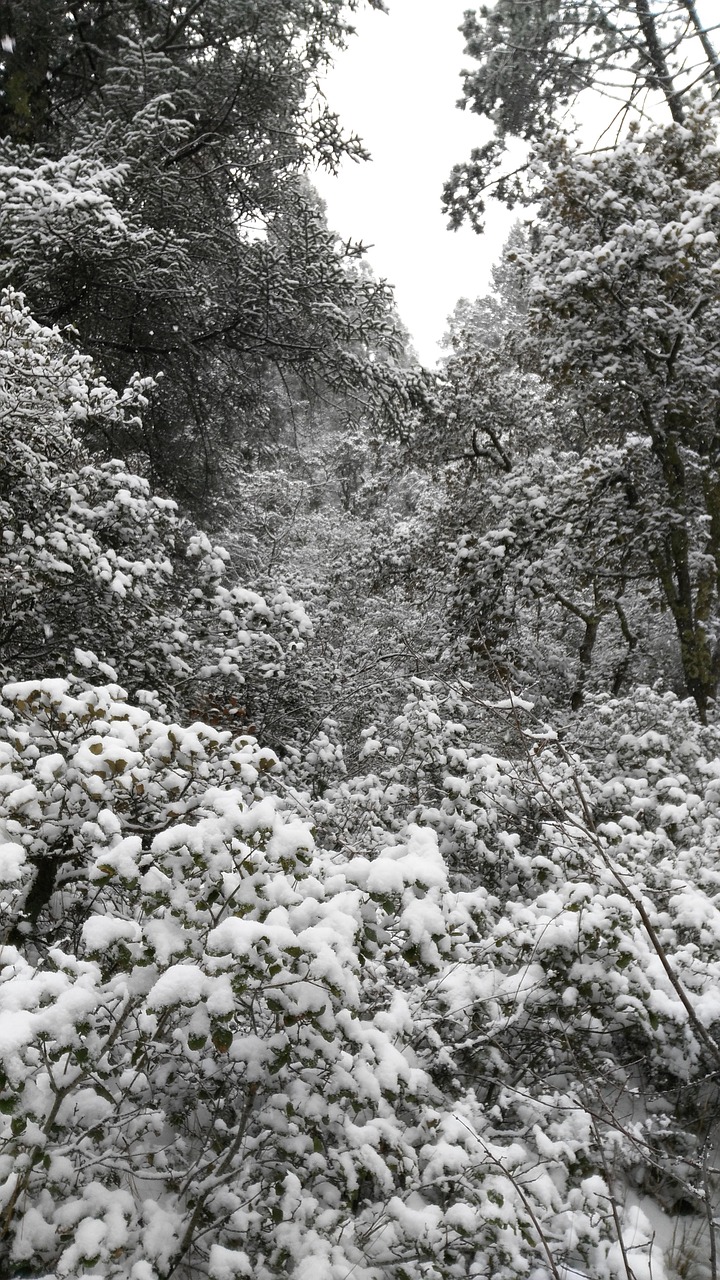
x,y
623,316
144,204
543,70
228,1051
551,580
579,535
386,948
93,565
624,269
70,202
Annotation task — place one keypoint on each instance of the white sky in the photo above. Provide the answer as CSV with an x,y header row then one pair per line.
x,y
396,86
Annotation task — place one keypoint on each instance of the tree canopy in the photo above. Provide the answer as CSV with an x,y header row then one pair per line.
x,y
536,59
154,159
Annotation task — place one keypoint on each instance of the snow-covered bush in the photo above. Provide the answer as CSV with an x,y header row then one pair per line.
x,y
598,953
94,565
230,1051
218,1068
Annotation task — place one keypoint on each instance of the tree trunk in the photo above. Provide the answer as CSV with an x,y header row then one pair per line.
x,y
592,622
690,600
656,55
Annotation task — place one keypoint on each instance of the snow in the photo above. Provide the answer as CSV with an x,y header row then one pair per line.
x,y
100,933
180,984
13,861
228,1264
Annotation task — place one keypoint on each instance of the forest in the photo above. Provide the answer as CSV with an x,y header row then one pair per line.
x,y
359,728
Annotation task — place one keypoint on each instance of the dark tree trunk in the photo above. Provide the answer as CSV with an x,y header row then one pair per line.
x,y
656,55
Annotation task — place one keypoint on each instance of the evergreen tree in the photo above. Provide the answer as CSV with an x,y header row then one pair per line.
x,y
210,262
537,57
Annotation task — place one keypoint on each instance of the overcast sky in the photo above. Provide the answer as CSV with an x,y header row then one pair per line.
x,y
397,86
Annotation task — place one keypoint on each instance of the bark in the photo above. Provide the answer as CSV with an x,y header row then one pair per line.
x,y
690,600
592,622
656,55
631,640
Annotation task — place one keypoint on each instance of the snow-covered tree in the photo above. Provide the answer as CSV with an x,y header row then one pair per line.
x,y
155,198
607,515
623,316
319,957
537,60
93,566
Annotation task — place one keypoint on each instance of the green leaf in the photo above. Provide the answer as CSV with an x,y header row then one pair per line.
x,y
222,1038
